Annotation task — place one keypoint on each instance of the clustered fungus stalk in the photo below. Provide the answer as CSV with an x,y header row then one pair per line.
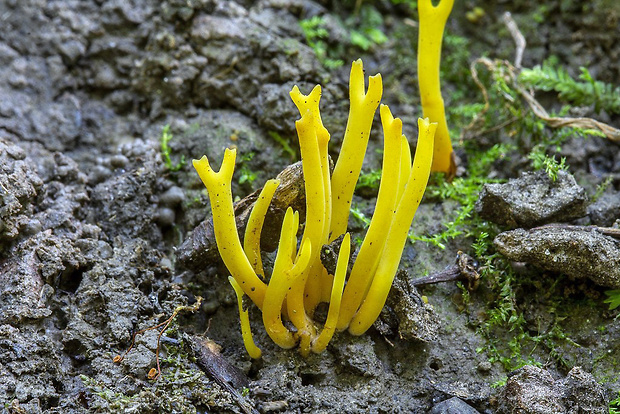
x,y
432,23
299,281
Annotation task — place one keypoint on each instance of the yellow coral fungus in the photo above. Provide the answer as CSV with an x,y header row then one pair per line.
x,y
251,241
226,236
299,280
253,351
432,23
349,163
397,233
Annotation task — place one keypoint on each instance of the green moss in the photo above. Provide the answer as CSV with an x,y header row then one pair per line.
x,y
614,405
585,91
166,137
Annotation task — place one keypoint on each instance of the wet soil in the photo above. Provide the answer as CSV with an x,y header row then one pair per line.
x,y
91,214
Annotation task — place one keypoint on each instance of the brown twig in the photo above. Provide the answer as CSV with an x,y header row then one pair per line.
x,y
465,268
510,74
517,36
153,373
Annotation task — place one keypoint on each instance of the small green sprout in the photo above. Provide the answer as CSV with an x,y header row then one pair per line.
x,y
316,35
286,148
166,136
541,160
247,175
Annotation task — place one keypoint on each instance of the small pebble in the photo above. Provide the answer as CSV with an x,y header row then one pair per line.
x,y
484,367
173,197
165,216
119,161
32,227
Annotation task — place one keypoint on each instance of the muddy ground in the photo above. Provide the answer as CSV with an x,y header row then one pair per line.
x,y
92,215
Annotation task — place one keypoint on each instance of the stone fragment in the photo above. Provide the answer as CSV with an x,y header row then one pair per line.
x,y
606,210
575,251
407,314
19,185
453,406
532,200
532,390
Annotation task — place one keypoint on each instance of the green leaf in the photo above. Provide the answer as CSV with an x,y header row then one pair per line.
x,y
613,299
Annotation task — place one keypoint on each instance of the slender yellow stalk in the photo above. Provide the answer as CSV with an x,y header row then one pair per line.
x,y
251,239
318,282
349,163
246,332
407,206
320,343
314,229
432,23
370,251
405,166
224,226
285,272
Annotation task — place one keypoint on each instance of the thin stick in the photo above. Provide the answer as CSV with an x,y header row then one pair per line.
x,y
517,36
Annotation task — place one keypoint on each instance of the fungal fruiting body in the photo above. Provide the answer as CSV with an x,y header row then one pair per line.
x,y
432,23
299,281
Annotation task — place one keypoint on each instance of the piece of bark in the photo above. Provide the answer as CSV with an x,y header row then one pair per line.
x,y
200,247
219,369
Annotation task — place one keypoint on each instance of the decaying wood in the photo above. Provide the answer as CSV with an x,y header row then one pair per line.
x,y
200,248
219,369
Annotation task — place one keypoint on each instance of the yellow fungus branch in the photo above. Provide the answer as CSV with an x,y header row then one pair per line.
x,y
315,282
320,343
315,217
370,251
246,332
224,226
405,166
397,235
285,273
251,240
349,163
432,23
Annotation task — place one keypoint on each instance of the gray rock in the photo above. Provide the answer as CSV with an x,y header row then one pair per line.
x,y
532,200
407,314
575,251
453,406
357,356
581,393
172,197
606,210
532,390
19,185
